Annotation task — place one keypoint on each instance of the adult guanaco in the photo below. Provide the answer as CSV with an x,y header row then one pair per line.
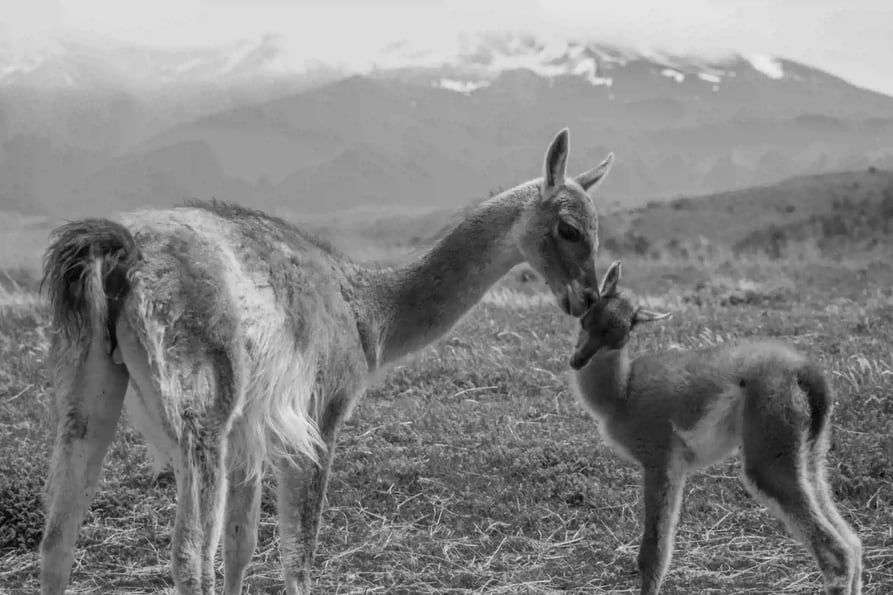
x,y
234,338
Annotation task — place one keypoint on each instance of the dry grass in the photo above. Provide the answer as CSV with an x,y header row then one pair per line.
x,y
472,470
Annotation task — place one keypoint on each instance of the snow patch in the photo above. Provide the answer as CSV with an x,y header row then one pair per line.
x,y
588,69
464,87
710,78
766,65
575,51
673,74
611,58
188,65
547,57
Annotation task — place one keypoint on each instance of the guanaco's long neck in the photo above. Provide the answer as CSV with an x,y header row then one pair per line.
x,y
417,303
604,382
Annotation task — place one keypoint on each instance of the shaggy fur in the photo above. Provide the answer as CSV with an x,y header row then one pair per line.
x,y
674,413
235,340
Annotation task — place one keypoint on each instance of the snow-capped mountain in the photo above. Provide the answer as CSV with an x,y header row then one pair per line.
x,y
471,63
475,62
628,75
271,66
86,126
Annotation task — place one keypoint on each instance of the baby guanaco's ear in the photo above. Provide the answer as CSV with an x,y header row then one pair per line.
x,y
610,280
642,315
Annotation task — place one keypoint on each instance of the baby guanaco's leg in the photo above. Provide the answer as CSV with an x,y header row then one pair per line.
x,y
819,476
662,492
776,471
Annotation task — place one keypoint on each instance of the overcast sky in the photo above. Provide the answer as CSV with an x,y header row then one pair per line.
x,y
850,38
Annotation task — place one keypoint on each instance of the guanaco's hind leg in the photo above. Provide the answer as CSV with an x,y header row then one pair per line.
x,y
242,516
89,396
822,489
663,485
776,473
198,462
201,491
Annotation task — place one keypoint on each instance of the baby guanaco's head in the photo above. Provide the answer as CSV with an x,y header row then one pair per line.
x,y
608,323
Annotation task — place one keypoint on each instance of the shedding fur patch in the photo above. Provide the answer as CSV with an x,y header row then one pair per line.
x,y
272,413
276,421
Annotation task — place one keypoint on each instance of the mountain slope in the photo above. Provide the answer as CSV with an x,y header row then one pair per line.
x,y
386,140
160,178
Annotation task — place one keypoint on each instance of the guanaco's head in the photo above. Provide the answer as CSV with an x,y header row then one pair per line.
x,y
560,233
608,323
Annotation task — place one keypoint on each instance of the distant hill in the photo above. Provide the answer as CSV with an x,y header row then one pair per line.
x,y
843,209
162,177
841,212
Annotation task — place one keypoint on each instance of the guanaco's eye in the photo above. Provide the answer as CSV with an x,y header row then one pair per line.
x,y
568,232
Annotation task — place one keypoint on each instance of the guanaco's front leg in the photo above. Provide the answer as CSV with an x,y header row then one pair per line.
x,y
663,496
301,492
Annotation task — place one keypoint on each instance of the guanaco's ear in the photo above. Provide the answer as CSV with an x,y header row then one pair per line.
x,y
610,280
556,160
648,316
590,179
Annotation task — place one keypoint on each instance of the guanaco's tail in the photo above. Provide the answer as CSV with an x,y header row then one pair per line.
x,y
769,385
86,277
812,381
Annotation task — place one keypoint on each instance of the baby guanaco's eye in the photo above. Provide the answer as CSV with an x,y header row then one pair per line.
x,y
568,232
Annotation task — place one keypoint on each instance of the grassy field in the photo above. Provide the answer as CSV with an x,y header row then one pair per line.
x,y
472,468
